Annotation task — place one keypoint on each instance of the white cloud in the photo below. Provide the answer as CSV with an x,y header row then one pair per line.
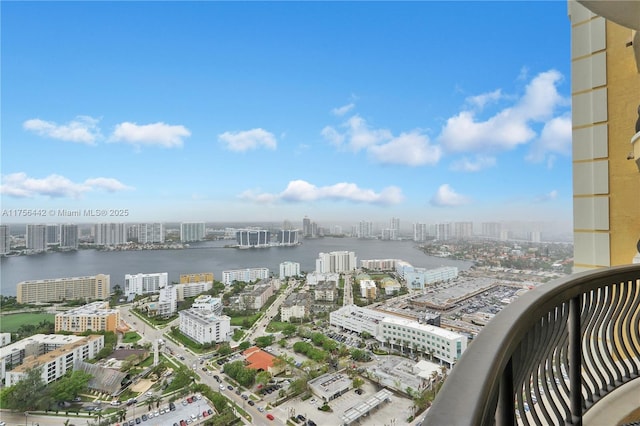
x,y
83,129
107,184
552,195
555,138
480,162
161,134
301,191
479,101
411,149
20,185
332,135
447,197
248,139
343,109
511,126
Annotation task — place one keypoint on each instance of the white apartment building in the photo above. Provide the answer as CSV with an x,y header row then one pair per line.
x,y
192,231
56,363
149,233
36,238
420,232
5,240
296,306
387,328
94,316
14,354
192,289
207,302
315,277
205,326
59,289
289,269
145,283
53,234
244,275
364,229
443,344
109,234
354,318
167,301
336,261
68,236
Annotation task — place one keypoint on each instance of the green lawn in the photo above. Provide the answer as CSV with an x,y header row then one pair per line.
x,y
131,337
11,322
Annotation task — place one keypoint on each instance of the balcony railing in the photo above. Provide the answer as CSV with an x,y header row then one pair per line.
x,y
549,356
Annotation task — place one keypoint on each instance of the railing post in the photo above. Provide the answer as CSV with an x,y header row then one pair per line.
x,y
575,361
505,411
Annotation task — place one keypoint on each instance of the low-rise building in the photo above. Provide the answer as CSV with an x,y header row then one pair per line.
x,y
315,277
5,339
56,363
205,326
244,275
296,306
259,360
368,289
326,291
94,316
14,354
401,332
196,278
207,302
329,386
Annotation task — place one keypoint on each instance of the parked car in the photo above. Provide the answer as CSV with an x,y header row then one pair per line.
x,y
270,416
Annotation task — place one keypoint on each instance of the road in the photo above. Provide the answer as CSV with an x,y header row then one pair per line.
x,y
188,358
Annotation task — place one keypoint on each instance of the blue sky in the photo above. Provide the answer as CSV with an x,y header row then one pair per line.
x,y
270,111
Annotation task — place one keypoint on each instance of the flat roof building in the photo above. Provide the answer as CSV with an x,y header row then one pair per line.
x,y
205,326
62,289
56,363
94,316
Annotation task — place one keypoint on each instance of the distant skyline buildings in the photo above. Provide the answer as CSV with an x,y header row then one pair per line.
x,y
192,231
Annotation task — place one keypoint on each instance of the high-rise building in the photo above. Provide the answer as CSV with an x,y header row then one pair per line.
x,y
365,229
306,227
420,232
253,238
68,236
605,59
145,283
463,230
110,234
5,240
288,237
289,269
36,239
336,261
149,233
491,229
53,234
192,231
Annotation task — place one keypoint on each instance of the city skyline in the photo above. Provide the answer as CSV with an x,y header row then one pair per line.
x,y
274,111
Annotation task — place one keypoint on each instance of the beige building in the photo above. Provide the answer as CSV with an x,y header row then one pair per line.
x,y
605,90
326,291
196,278
94,316
61,289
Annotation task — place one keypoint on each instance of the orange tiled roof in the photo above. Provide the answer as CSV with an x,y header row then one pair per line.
x,y
258,359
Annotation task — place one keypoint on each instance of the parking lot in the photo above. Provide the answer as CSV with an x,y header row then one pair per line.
x,y
183,413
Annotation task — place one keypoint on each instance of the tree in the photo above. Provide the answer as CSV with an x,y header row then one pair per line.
x,y
70,385
30,393
264,341
357,382
224,349
244,345
289,330
263,377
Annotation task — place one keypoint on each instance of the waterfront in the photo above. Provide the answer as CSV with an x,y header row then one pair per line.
x,y
202,257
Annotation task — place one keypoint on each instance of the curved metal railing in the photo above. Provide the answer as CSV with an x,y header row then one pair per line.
x,y
550,355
